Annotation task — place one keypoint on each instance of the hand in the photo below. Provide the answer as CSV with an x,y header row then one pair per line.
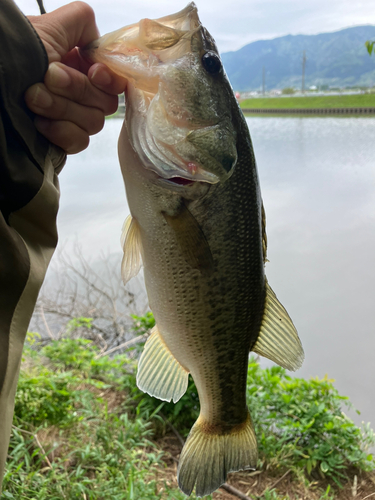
x,y
76,96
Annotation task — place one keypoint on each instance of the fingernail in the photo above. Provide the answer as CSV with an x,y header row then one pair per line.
x,y
41,98
42,124
57,76
101,77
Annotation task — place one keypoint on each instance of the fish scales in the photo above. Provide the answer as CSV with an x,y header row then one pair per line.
x,y
197,224
218,316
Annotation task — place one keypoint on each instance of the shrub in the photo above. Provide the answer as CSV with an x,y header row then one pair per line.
x,y
300,424
43,398
72,438
288,91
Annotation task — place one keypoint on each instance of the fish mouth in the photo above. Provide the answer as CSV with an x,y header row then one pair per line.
x,y
164,131
137,51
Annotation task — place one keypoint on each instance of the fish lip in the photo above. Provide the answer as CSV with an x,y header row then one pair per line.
x,y
204,177
157,179
178,187
193,189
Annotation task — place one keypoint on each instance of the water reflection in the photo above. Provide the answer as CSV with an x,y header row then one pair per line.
x,y
93,205
318,184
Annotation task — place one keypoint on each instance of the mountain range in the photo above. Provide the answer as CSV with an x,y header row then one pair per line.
x,y
337,59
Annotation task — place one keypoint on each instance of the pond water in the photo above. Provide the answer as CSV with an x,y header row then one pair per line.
x,y
318,185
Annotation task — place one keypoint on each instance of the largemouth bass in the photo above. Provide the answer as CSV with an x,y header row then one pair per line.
x,y
197,223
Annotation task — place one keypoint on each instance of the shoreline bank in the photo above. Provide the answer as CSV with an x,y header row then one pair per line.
x,y
311,111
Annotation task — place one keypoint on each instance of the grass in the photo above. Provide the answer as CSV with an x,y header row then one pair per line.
x,y
82,430
310,102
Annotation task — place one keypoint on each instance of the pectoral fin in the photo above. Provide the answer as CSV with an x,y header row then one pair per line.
x,y
191,240
278,338
132,246
159,372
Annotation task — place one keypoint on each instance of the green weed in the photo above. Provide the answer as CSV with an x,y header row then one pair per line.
x,y
82,429
69,441
301,424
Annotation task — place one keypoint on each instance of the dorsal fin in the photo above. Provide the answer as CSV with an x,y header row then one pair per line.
x,y
278,338
132,246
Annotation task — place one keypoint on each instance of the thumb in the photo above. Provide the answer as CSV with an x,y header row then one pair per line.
x,y
65,28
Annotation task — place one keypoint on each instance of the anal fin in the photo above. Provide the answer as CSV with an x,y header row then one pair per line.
x,y
132,246
159,372
278,338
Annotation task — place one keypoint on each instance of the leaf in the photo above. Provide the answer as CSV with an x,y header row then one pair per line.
x,y
6,494
286,398
370,46
324,467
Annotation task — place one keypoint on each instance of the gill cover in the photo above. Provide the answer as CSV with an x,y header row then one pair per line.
x,y
178,99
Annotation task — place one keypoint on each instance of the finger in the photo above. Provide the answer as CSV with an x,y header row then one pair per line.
x,y
46,104
76,61
106,80
65,28
65,134
75,86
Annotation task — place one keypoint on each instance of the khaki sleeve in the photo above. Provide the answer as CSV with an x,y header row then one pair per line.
x,y
29,198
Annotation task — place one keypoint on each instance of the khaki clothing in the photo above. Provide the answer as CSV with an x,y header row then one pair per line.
x,y
29,197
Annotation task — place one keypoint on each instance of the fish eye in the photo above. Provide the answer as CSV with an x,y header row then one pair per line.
x,y
211,63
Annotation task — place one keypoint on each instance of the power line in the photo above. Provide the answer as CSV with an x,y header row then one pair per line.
x,y
303,71
264,81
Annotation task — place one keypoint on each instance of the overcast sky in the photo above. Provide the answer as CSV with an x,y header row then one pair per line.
x,y
233,23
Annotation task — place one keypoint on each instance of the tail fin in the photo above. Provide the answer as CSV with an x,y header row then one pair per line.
x,y
208,456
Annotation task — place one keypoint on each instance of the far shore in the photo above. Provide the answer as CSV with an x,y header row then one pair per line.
x,y
310,111
353,104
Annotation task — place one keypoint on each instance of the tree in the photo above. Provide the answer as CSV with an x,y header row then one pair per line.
x,y
93,294
370,46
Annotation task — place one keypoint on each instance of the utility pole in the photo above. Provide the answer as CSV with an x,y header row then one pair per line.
x,y
303,71
264,81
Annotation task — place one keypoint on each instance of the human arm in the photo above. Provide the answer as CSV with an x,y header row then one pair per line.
x,y
28,200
